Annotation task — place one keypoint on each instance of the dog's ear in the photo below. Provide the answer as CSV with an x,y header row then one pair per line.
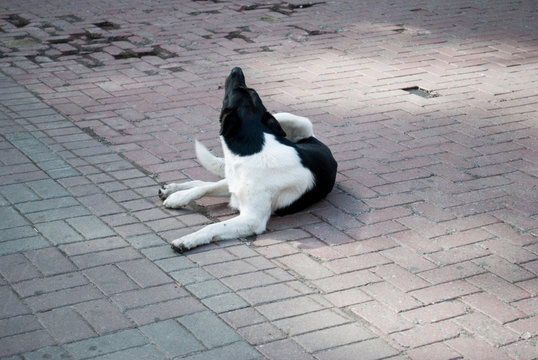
x,y
273,125
229,123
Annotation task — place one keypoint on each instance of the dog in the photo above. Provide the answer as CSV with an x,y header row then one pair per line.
x,y
272,164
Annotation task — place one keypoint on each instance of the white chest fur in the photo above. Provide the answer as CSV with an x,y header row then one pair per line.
x,y
275,173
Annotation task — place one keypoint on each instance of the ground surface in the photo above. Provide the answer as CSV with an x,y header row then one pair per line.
x,y
426,248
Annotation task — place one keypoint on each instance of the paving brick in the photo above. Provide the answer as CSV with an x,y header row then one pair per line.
x,y
493,307
333,337
103,316
391,296
39,285
437,351
369,349
451,272
90,227
381,317
169,309
66,325
444,292
106,344
112,256
58,232
16,267
305,267
26,342
312,321
225,302
289,307
499,287
503,268
476,349
427,334
237,351
50,261
209,329
172,338
399,277
346,281
51,352
144,273
110,280
284,348
261,333
436,312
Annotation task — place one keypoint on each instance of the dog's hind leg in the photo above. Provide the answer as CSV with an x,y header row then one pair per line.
x,y
295,127
179,195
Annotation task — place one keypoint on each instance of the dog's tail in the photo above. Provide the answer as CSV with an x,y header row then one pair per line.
x,y
211,162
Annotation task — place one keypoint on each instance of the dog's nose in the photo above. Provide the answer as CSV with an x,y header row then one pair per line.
x,y
237,71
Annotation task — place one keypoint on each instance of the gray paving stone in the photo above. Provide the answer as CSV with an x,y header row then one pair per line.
x,y
16,268
90,227
105,257
58,232
64,297
18,193
174,262
89,246
144,273
191,276
10,218
57,214
172,338
207,289
18,325
66,325
12,305
236,351
209,329
144,241
40,285
225,302
50,261
103,316
110,279
146,352
48,188
164,310
17,233
26,342
47,204
106,344
142,297
51,352
21,245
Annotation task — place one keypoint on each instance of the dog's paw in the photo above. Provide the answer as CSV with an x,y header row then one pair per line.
x,y
184,244
164,192
178,200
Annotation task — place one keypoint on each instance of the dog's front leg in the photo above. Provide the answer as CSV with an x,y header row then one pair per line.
x,y
240,226
197,189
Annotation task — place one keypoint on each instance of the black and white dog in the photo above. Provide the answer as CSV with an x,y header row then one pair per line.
x,y
272,164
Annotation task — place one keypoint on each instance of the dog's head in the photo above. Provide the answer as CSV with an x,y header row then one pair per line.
x,y
243,112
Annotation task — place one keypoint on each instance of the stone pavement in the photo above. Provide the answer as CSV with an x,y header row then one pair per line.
x,y
426,249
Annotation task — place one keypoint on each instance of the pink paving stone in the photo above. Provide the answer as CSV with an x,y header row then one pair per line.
x,y
400,277
427,334
487,328
493,307
359,262
415,241
408,259
476,349
366,246
462,238
436,312
499,287
451,272
381,317
348,297
391,296
346,281
505,269
437,351
305,266
444,292
522,350
525,327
